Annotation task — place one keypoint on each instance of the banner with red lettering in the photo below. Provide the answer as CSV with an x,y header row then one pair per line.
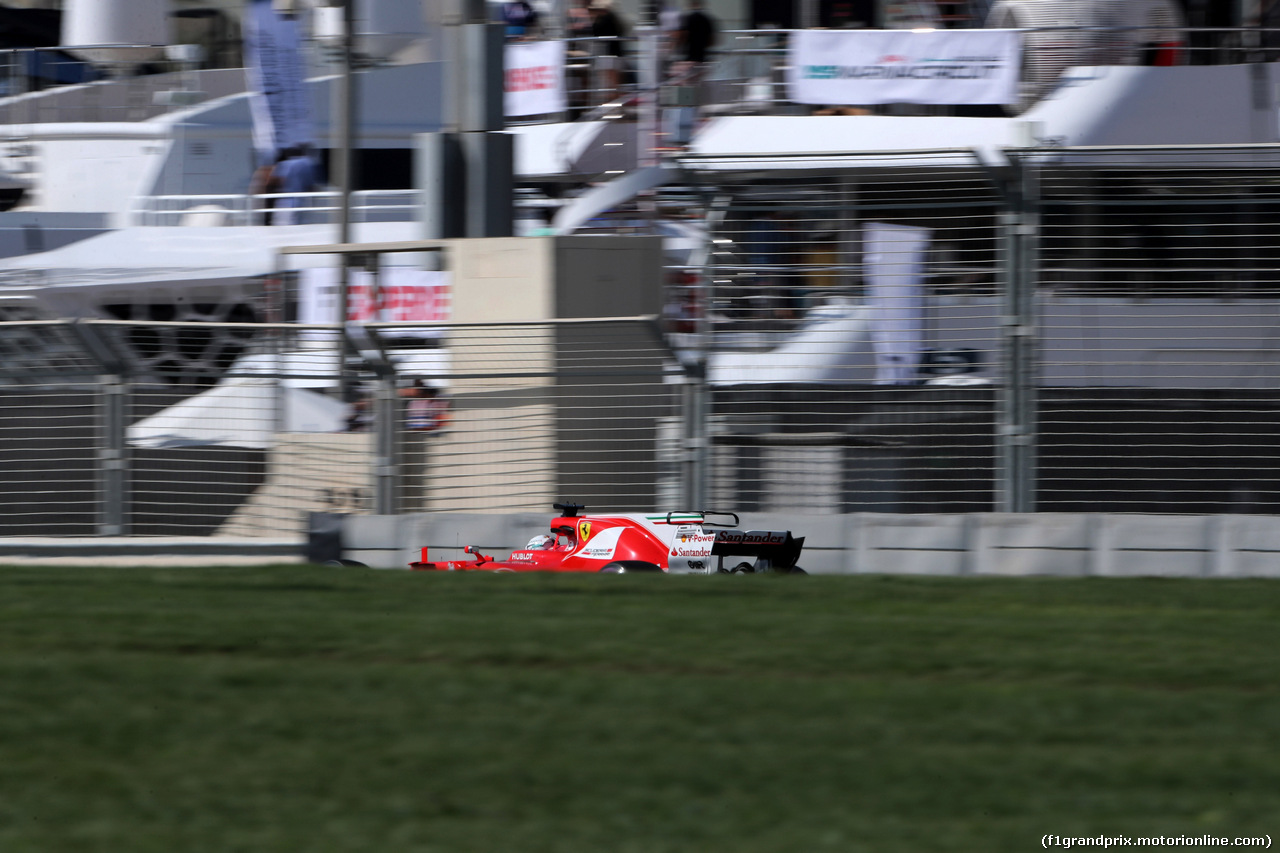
x,y
403,294
534,78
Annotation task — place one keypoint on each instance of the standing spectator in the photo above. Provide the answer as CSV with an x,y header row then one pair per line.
x,y
427,410
608,25
578,51
578,21
520,18
265,182
296,173
697,35
361,417
773,253
670,23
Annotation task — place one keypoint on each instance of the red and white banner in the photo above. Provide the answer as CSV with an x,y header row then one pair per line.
x,y
534,78
406,295
854,67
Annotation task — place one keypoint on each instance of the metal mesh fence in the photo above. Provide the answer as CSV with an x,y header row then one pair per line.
x,y
50,437
1158,306
538,413
1087,329
833,374
899,332
509,417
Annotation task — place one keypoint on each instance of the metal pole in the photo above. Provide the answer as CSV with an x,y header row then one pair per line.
x,y
387,452
696,402
386,417
345,115
1016,417
114,517
113,472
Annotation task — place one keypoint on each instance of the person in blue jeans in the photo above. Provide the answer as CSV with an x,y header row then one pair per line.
x,y
295,173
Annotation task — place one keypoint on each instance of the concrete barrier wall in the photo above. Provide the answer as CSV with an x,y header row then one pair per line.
x,y
1079,544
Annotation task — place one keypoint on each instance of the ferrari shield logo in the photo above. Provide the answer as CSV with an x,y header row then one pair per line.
x,y
584,531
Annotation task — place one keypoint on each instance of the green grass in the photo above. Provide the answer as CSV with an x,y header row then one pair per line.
x,y
320,709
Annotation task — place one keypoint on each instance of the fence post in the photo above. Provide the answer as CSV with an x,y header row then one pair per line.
x,y
387,422
112,457
695,404
113,473
1016,403
695,443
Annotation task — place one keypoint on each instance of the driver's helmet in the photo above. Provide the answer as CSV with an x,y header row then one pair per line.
x,y
541,542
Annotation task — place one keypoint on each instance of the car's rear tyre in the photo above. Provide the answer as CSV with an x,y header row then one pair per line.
x,y
622,567
750,569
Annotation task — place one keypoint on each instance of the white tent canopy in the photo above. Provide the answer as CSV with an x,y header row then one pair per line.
x,y
240,413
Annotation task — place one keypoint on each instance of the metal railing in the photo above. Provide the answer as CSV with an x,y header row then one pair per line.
x,y
266,208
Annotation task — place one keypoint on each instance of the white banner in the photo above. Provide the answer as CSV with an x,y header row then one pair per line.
x,y
856,67
893,266
534,78
408,295
273,63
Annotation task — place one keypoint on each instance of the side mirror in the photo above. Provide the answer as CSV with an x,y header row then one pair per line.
x,y
474,550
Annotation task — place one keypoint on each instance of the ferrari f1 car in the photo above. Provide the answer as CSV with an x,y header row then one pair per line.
x,y
683,542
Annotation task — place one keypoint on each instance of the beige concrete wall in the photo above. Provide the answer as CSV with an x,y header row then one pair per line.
x,y
503,279
506,440
307,472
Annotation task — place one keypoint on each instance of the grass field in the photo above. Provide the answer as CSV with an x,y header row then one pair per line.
x,y
321,709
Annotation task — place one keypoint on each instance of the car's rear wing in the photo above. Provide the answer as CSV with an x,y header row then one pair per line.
x,y
779,547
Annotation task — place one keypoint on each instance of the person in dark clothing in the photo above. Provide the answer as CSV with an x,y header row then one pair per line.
x,y
694,39
607,24
296,174
698,33
520,19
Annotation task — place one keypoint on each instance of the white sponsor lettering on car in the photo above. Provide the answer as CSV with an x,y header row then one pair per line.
x,y
694,545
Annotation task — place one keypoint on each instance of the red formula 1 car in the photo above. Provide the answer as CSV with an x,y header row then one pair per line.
x,y
686,542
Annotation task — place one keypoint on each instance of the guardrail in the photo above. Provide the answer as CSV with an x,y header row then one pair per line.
x,y
268,208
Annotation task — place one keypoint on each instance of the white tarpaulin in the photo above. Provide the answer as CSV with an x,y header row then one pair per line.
x,y
534,78
240,413
904,67
893,265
